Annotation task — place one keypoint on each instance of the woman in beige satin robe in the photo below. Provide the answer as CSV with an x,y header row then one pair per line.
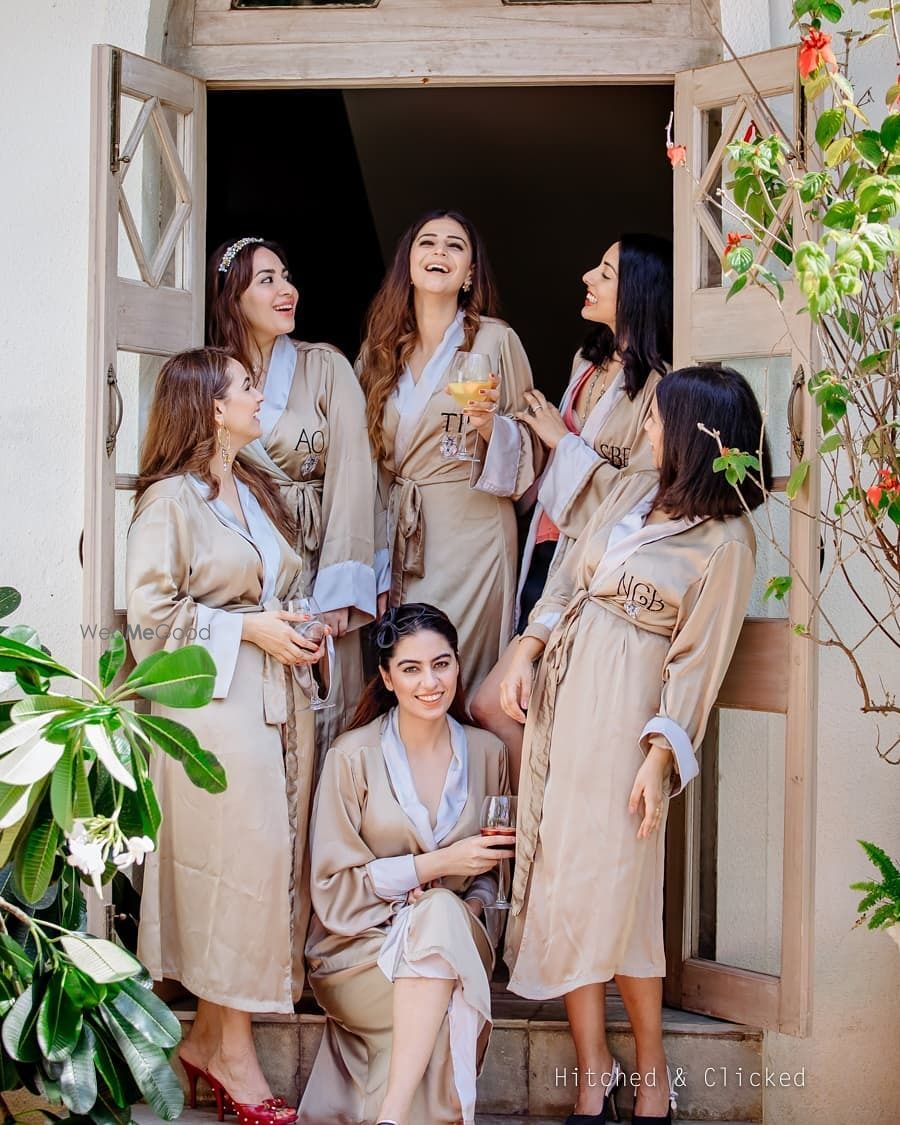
x,y
597,432
398,954
314,443
634,632
446,528
224,907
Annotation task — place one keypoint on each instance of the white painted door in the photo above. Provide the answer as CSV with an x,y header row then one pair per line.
x,y
146,281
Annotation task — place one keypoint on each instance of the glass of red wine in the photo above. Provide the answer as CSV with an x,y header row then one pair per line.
x,y
314,630
498,819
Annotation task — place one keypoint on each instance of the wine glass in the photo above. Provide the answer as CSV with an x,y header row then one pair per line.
x,y
313,629
498,818
469,373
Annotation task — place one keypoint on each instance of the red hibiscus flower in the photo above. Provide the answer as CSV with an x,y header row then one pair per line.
x,y
677,155
814,51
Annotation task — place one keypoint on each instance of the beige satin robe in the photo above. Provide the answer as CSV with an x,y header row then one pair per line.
x,y
451,542
583,468
639,635
358,819
322,459
227,889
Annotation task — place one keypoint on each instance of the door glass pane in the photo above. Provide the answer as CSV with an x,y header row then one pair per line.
x,y
304,3
136,378
720,212
738,888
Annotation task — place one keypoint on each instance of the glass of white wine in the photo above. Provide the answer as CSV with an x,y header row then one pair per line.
x,y
470,372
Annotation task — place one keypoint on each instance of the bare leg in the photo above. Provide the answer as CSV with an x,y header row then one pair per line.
x,y
486,711
643,1002
586,1012
420,1004
202,1041
234,1062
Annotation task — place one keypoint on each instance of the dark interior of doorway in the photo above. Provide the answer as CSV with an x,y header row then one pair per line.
x,y
550,175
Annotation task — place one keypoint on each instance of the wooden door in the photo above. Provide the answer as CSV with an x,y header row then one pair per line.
x,y
146,282
739,912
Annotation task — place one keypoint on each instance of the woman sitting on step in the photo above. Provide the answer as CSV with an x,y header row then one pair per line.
x,y
398,954
633,635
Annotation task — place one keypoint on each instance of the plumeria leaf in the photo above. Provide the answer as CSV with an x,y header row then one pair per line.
x,y
30,762
183,678
78,1077
15,655
112,660
99,739
20,1025
201,766
147,1014
61,790
15,957
15,804
36,859
101,960
148,1065
10,600
59,1021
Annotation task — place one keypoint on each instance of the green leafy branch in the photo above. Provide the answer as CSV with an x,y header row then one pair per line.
x,y
880,905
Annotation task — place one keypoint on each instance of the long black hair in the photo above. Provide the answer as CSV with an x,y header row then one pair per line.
x,y
643,336
719,398
399,622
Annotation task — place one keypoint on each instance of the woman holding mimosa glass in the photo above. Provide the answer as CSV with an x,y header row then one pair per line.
x,y
446,527
313,442
411,818
597,431
633,634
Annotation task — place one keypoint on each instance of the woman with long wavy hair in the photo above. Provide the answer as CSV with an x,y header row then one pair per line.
x,y
313,443
399,956
225,901
597,431
446,527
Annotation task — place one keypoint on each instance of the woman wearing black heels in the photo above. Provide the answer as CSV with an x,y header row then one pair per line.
x,y
633,636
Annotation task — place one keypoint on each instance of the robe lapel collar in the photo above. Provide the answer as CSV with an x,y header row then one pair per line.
x,y
282,365
412,399
637,534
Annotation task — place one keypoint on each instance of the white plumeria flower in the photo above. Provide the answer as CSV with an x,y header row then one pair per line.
x,y
87,854
132,851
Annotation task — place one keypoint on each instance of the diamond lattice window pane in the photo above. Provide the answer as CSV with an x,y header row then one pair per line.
x,y
154,193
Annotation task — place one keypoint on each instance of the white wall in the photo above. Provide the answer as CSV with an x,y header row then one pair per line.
x,y
851,1058
45,60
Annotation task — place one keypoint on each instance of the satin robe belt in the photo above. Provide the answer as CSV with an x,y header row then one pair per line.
x,y
304,501
408,542
554,666
282,695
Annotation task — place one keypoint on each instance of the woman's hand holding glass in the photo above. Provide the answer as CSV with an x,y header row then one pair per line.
x,y
337,620
273,631
471,856
483,407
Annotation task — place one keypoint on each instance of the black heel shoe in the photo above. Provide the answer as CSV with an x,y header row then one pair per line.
x,y
609,1102
642,1119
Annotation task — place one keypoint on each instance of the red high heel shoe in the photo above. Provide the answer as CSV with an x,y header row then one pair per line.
x,y
194,1074
270,1111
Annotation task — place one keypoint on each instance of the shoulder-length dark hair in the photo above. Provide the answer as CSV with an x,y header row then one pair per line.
x,y
391,330
181,431
643,335
397,623
226,325
720,399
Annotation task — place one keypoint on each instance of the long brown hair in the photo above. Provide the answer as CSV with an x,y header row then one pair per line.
x,y
181,431
226,325
399,622
391,330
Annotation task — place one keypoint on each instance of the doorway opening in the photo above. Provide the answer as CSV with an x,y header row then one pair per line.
x,y
550,175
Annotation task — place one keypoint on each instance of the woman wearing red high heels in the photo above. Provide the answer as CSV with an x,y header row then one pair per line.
x,y
209,561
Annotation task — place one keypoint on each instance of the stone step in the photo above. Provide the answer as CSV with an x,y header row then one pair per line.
x,y
530,1073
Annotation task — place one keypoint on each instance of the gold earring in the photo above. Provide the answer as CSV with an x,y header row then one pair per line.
x,y
224,439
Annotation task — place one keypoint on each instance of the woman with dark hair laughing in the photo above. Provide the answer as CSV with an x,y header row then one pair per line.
x,y
632,639
597,431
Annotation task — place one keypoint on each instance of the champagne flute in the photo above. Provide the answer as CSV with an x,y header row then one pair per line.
x,y
313,629
469,373
498,818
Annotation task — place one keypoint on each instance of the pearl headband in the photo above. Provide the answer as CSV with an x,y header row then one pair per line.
x,y
233,249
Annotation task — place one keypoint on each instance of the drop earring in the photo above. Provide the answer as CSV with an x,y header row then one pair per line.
x,y
224,439
467,284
